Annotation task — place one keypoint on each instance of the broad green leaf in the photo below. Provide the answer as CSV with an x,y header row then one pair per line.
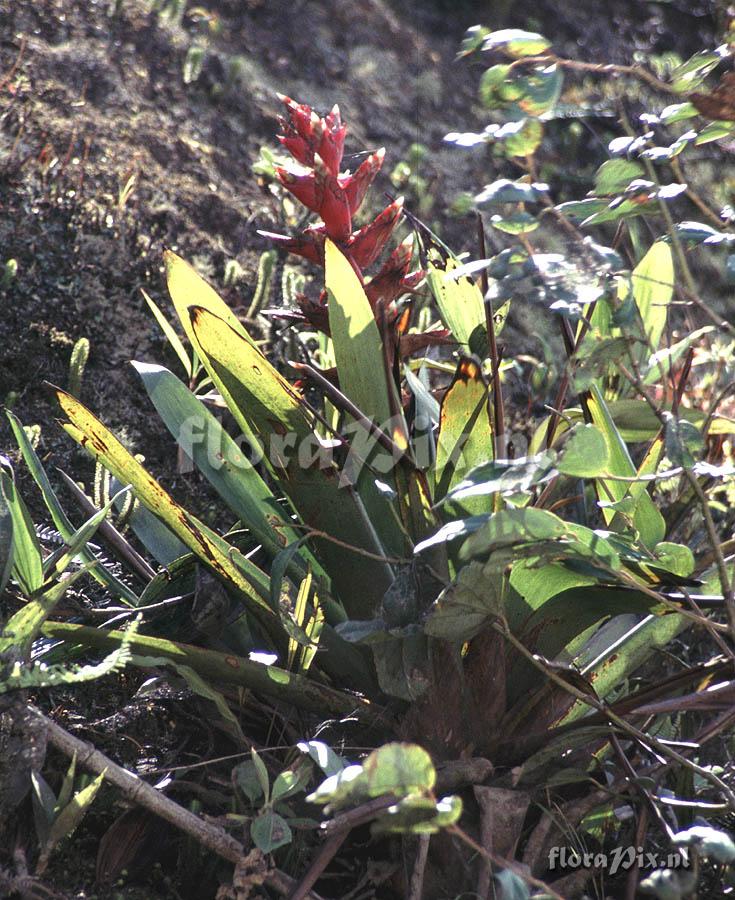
x,y
358,350
472,40
693,233
27,564
675,558
396,768
324,756
537,583
505,476
659,364
270,831
715,131
498,86
648,520
465,435
614,176
506,191
466,605
417,814
358,347
610,672
689,74
157,538
287,783
579,210
635,421
516,42
514,526
519,223
541,90
264,401
401,662
638,199
653,289
710,843
683,441
586,454
553,627
452,531
521,138
677,112
214,551
247,778
664,154
61,521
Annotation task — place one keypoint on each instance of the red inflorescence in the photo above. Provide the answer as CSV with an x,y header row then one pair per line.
x,y
317,146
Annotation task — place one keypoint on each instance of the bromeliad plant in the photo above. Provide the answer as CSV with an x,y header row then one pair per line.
x,y
400,552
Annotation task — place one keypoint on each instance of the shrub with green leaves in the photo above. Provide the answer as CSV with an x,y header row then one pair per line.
x,y
388,547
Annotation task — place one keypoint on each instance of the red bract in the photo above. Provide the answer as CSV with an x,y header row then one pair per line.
x,y
317,146
393,279
366,245
305,134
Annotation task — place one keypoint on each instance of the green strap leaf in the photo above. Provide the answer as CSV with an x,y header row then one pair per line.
x,y
6,539
218,458
27,560
647,519
61,521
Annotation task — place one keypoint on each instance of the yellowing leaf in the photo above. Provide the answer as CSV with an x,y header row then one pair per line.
x,y
188,288
215,552
358,348
653,288
465,436
459,299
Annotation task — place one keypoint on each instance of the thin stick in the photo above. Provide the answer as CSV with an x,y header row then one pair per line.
x,y
646,740
416,888
598,68
138,791
320,863
117,542
341,402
